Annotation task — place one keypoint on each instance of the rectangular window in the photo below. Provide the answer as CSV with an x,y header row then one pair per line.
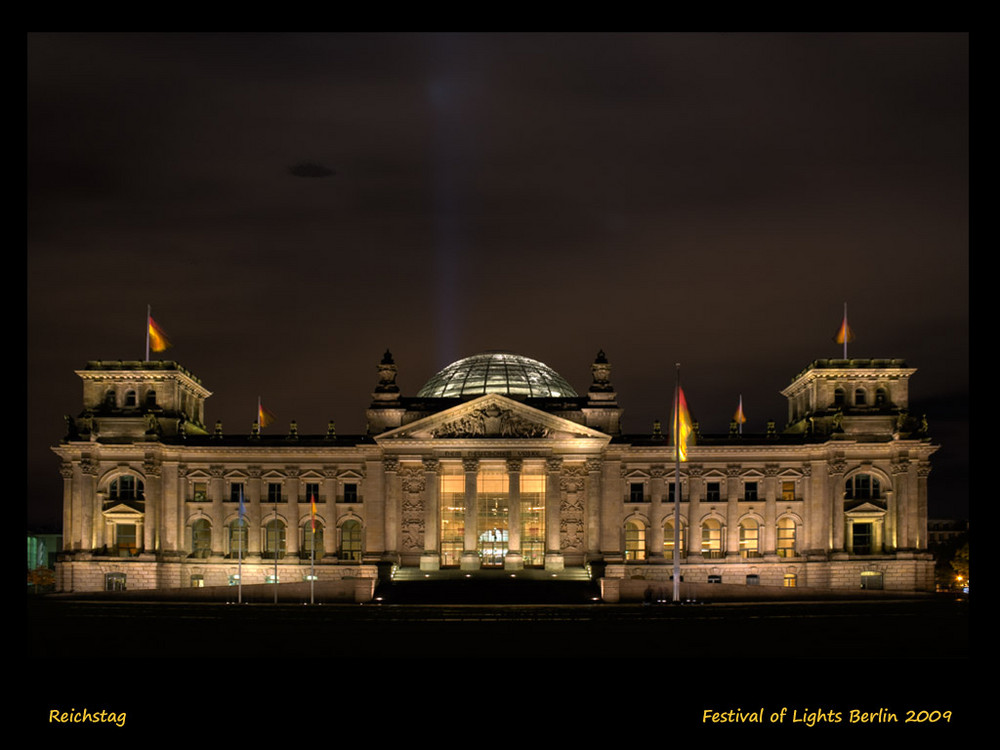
x,y
871,580
350,492
312,492
635,492
753,579
114,581
670,493
790,580
715,579
197,581
452,499
236,492
712,492
274,492
788,491
862,539
750,492
200,494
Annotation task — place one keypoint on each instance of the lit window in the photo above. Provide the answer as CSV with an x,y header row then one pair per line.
x,y
749,538
668,540
201,538
114,581
635,541
312,539
197,581
871,579
786,537
126,544
274,540
790,580
788,491
350,541
711,538
200,492
238,538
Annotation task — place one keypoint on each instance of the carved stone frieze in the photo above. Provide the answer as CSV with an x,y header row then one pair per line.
x,y
491,421
412,524
412,478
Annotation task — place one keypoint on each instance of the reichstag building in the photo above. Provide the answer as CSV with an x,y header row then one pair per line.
x,y
497,463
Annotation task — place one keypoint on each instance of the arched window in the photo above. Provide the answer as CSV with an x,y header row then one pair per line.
x,y
860,397
201,538
351,538
668,540
711,538
881,398
274,539
635,541
238,538
786,537
312,539
126,488
838,397
111,399
150,398
749,538
862,487
130,398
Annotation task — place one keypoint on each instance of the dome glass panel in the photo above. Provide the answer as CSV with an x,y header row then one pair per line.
x,y
497,372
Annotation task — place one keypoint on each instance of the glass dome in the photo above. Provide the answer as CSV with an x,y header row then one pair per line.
x,y
497,372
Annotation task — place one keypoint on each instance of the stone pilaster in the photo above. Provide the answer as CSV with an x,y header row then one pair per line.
x,y
470,555
553,503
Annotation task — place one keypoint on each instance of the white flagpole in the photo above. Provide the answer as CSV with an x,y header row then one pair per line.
x,y
239,565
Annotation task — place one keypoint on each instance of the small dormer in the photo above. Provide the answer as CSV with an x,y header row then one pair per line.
x,y
139,400
863,396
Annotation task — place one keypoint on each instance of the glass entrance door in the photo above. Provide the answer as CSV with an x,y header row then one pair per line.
x,y
493,517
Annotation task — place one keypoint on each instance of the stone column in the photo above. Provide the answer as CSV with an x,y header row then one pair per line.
x,y
328,509
216,493
919,513
657,511
431,557
165,507
593,541
392,510
696,490
88,501
553,503
253,516
153,502
767,536
835,491
514,560
470,555
70,512
290,493
731,537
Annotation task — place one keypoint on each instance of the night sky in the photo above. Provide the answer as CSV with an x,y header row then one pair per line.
x,y
293,205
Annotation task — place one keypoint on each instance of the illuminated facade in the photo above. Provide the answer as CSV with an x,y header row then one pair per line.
x,y
496,463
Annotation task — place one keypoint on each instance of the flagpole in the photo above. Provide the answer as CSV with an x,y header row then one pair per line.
x,y
239,565
149,315
277,545
677,488
312,559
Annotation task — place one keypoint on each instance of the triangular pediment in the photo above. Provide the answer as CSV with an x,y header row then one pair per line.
x,y
492,417
122,512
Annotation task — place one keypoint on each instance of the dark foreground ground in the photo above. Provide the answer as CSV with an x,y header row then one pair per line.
x,y
396,671
927,628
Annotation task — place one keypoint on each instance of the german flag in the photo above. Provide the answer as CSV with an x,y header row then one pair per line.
x,y
158,340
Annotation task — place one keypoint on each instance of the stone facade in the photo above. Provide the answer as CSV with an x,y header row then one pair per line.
x,y
507,467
